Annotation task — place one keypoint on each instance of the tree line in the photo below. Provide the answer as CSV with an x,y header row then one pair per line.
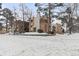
x,y
47,9
69,9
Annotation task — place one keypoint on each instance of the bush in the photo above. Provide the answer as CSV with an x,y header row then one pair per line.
x,y
40,31
51,32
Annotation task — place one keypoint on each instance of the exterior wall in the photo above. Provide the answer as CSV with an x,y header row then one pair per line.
x,y
58,28
3,31
44,24
18,25
37,22
32,25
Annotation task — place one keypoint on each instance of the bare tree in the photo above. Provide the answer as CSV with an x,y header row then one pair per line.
x,y
26,13
15,19
73,8
69,17
22,7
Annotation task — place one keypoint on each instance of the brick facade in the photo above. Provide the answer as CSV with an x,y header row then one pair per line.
x,y
44,24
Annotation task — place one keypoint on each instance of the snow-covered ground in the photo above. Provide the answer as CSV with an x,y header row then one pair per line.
x,y
17,45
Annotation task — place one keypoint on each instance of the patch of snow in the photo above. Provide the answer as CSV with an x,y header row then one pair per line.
x,y
2,17
18,45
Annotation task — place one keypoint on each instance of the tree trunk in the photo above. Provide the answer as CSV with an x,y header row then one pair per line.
x,y
23,22
23,18
70,30
49,19
29,24
70,24
6,25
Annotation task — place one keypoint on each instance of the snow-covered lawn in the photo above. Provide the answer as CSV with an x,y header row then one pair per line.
x,y
17,45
